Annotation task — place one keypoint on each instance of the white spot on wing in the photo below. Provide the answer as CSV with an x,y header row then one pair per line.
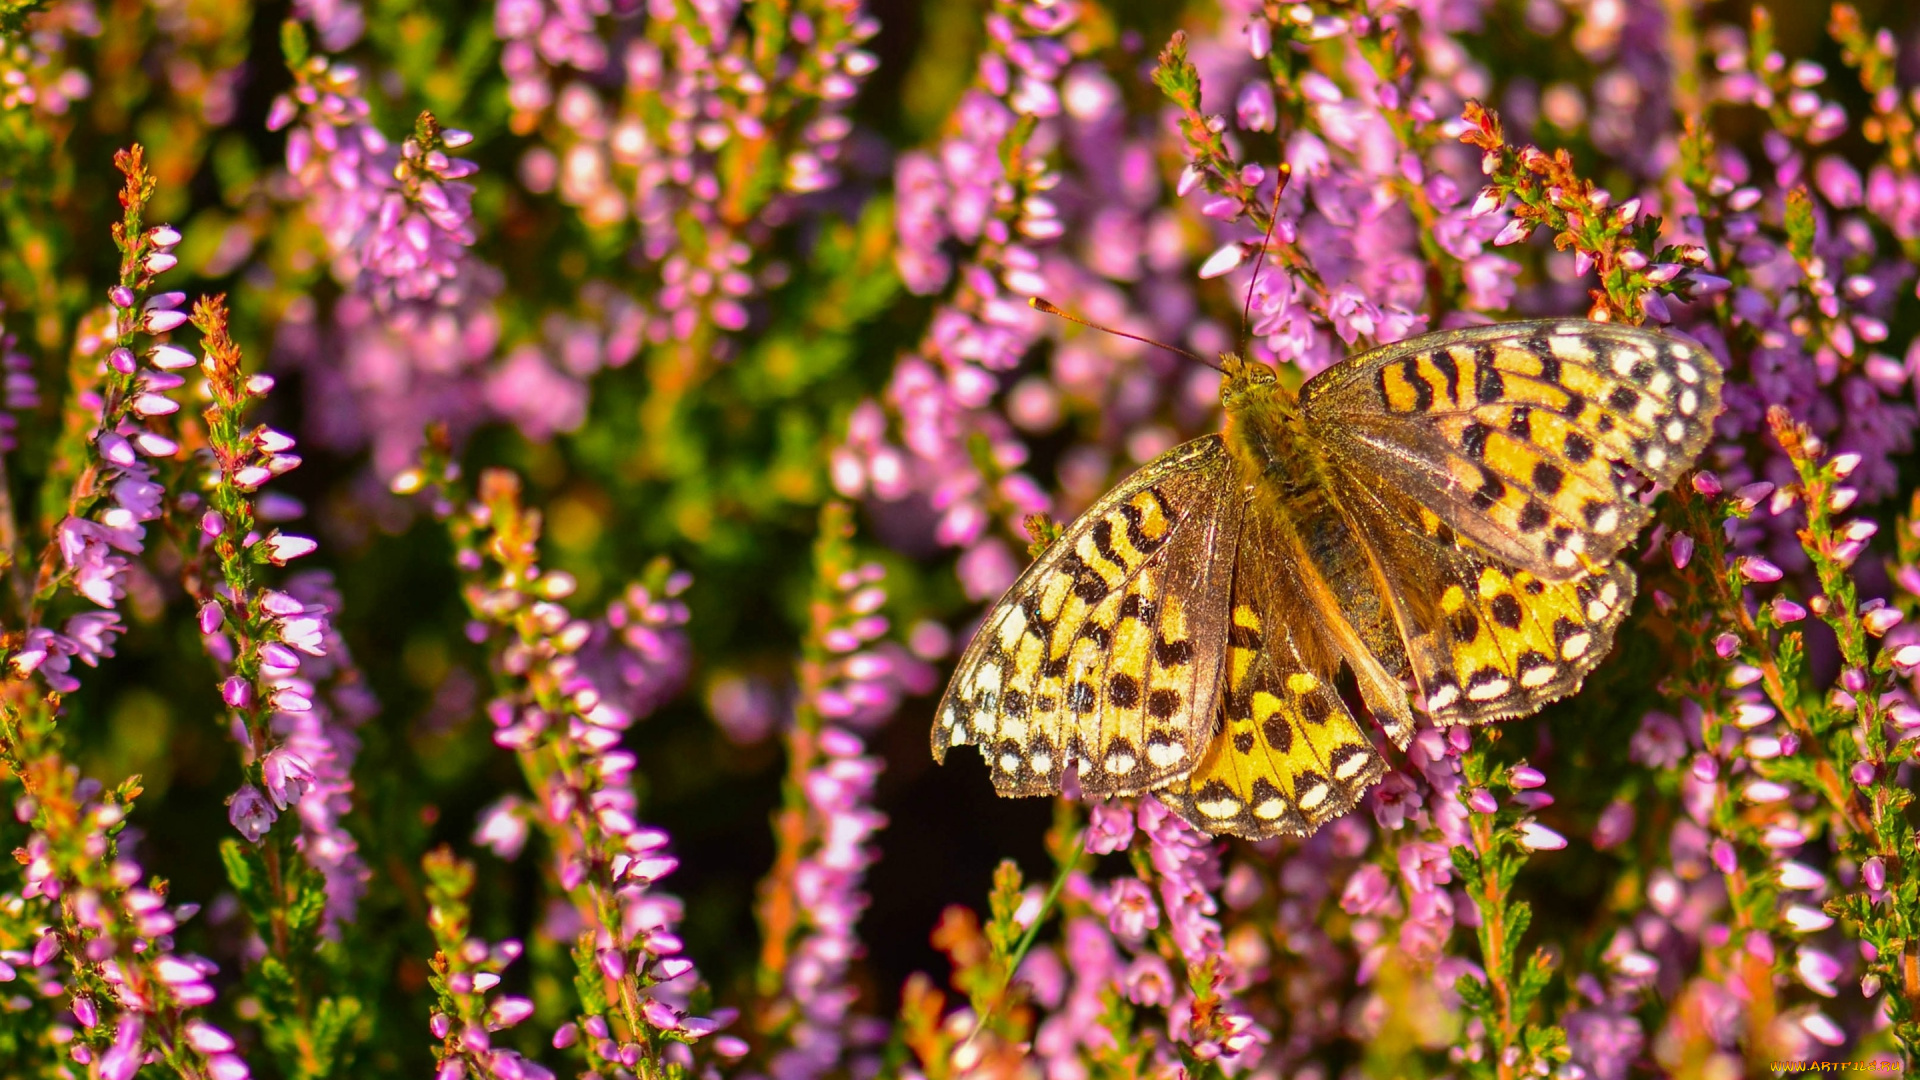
x,y
1353,766
1569,347
1314,796
1606,521
1041,762
1576,646
1443,697
1539,676
1119,763
1487,691
1656,458
1220,808
1165,755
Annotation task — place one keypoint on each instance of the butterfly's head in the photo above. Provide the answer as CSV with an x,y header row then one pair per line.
x,y
1250,385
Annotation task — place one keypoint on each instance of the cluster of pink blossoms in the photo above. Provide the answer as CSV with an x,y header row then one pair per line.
x,y
96,549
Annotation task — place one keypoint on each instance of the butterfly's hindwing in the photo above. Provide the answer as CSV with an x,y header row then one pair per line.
x,y
1486,641
1522,435
1288,755
1106,653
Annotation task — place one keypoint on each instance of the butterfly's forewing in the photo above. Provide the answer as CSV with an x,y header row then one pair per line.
x,y
1288,755
1107,651
1485,641
1516,435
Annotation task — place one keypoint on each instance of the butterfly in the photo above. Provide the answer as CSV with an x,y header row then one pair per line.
x,y
1436,520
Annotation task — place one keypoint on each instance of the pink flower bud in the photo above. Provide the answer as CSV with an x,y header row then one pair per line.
x,y
1799,877
116,449
1707,484
1482,801
1681,547
1223,260
170,358
1526,776
156,445
1756,569
1725,859
1512,233
1874,873
159,322
1881,620
237,692
1748,496
660,1014
207,1039
283,548
1786,611
613,963
155,405
1537,837
287,776
505,1012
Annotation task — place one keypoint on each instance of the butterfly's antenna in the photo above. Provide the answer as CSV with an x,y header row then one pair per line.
x,y
1042,304
1246,310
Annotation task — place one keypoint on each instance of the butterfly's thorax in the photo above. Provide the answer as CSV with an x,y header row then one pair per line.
x,y
1285,477
1267,436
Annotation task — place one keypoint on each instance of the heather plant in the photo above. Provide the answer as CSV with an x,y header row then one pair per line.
x,y
490,495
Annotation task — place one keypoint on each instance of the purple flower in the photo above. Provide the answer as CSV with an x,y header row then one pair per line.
x,y
287,777
1109,827
1368,892
1131,911
1605,1043
248,811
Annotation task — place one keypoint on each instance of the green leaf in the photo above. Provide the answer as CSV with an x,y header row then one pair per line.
x,y
1800,223
293,42
13,15
1474,992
